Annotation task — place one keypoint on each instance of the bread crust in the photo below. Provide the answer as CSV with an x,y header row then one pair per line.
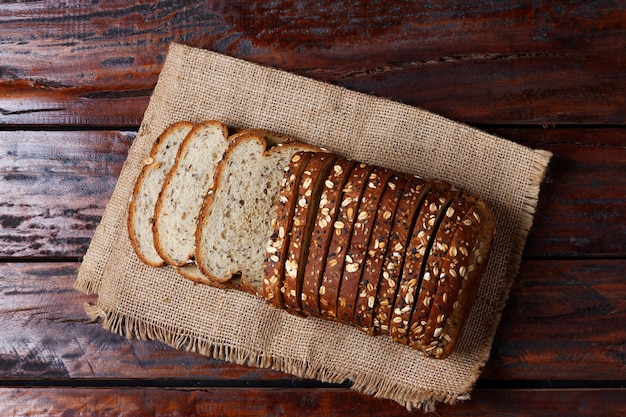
x,y
359,242
156,165
406,213
327,212
340,240
466,261
277,249
372,269
427,228
307,199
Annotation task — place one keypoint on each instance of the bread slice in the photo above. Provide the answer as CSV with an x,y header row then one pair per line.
x,y
359,242
408,207
372,269
432,264
340,240
308,196
278,245
459,278
186,185
146,191
418,252
327,212
235,223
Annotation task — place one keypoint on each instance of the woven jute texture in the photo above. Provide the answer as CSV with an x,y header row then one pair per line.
x,y
138,301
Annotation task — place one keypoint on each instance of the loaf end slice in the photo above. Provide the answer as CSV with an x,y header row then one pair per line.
x,y
466,261
146,191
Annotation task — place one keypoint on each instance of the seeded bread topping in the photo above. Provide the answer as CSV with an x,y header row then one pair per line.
x,y
278,245
309,192
342,231
451,228
372,270
359,242
472,243
426,225
407,211
322,235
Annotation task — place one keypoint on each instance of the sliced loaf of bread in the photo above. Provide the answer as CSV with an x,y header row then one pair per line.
x,y
235,223
186,185
147,188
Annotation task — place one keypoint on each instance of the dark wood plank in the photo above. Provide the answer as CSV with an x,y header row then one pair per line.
x,y
582,208
487,62
564,320
46,334
54,188
582,204
294,402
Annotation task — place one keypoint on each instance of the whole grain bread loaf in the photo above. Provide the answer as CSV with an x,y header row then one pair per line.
x,y
313,233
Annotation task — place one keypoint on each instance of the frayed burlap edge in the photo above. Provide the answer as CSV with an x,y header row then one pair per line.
x,y
134,328
425,399
411,399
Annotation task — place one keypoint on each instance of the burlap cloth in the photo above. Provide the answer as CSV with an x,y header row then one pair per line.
x,y
138,301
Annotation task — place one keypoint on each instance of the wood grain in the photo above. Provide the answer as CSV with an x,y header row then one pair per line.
x,y
54,188
292,402
582,208
76,78
94,63
563,318
46,334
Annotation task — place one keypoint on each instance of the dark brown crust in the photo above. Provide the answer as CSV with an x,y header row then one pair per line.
x,y
322,235
359,242
167,183
406,213
376,251
137,187
340,240
273,268
426,226
473,246
307,199
433,262
451,228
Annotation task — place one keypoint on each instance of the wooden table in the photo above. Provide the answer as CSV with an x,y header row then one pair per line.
x,y
76,77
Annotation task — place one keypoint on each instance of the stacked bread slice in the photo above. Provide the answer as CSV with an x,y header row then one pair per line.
x,y
313,233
